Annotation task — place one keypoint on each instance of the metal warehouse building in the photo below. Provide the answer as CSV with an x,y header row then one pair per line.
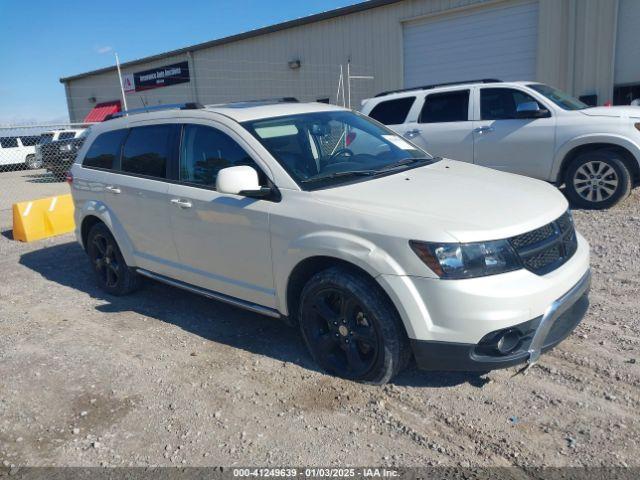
x,y
586,47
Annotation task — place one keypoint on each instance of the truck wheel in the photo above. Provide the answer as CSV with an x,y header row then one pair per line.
x,y
597,180
32,163
112,272
351,328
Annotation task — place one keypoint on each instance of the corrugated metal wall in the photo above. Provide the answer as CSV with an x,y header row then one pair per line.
x,y
627,69
575,48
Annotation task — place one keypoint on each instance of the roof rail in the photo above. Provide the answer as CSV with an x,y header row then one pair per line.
x,y
155,108
436,85
255,103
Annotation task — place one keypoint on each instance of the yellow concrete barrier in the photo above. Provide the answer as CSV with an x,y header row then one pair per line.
x,y
42,218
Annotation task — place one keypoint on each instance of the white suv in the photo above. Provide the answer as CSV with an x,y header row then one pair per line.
x,y
18,150
323,217
522,127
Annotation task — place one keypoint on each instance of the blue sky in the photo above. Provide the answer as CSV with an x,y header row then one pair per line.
x,y
41,41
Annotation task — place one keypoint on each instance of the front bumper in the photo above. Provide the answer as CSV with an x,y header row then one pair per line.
x,y
536,336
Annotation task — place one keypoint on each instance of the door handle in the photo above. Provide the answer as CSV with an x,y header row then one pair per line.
x,y
412,133
112,189
181,203
484,129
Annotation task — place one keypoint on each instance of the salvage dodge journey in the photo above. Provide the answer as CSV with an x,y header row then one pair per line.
x,y
376,250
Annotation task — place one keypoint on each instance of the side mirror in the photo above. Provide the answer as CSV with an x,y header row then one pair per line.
x,y
530,110
240,180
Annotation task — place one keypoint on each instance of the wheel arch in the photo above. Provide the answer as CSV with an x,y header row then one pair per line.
x,y
629,154
308,267
94,212
88,223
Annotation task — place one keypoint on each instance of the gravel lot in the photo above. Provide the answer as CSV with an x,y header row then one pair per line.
x,y
19,185
164,377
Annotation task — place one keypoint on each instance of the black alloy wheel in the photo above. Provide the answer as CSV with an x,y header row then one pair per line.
x,y
105,261
337,324
351,328
112,272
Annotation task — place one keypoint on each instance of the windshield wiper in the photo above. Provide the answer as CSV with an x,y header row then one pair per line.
x,y
403,162
348,173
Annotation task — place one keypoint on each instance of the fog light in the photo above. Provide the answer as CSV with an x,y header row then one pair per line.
x,y
508,341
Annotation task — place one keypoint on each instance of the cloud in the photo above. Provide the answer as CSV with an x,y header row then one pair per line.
x,y
105,49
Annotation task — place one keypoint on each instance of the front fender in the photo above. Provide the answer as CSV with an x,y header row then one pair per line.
x,y
618,140
101,211
347,247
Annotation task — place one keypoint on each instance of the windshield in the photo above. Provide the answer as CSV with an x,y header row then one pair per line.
x,y
327,148
560,98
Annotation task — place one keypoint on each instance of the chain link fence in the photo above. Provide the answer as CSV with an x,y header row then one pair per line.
x,y
34,160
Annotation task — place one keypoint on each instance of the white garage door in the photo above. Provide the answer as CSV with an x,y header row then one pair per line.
x,y
627,68
492,42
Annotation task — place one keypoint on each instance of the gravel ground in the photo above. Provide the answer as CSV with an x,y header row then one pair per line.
x,y
164,377
19,185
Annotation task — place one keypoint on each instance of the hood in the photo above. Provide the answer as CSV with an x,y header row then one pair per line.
x,y
450,201
622,111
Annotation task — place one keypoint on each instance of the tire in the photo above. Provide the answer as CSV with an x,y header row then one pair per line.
x,y
597,180
112,273
32,163
351,328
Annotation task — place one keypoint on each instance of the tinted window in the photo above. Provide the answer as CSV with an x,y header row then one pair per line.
x,y
46,137
147,150
9,142
205,151
29,141
445,107
501,103
392,112
66,135
105,149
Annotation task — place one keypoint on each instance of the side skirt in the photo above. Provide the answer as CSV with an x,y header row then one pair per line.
x,y
236,302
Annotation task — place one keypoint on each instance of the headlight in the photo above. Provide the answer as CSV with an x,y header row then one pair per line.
x,y
637,125
467,260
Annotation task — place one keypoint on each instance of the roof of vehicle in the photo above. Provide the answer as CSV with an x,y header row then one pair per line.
x,y
446,86
237,111
61,130
243,112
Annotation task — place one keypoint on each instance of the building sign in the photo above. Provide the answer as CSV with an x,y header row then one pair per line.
x,y
128,83
156,77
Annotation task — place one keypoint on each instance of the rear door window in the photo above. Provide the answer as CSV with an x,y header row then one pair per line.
x,y
445,107
147,150
104,152
392,112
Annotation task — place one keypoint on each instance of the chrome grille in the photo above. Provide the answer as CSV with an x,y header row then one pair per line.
x,y
546,248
